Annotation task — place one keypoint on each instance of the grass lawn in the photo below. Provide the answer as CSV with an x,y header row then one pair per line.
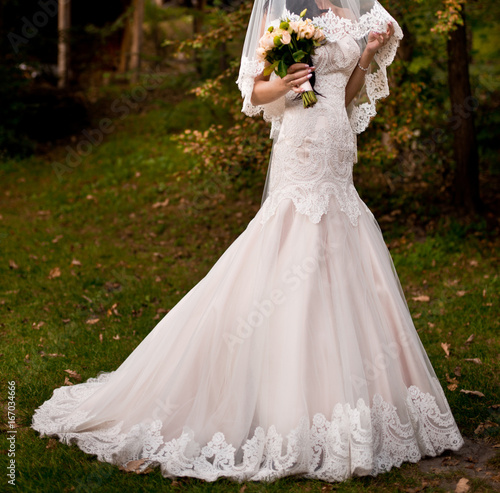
x,y
91,260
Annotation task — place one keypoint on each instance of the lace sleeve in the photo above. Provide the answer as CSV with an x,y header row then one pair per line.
x,y
376,83
272,112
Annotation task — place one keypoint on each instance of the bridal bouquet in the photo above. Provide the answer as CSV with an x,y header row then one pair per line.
x,y
290,42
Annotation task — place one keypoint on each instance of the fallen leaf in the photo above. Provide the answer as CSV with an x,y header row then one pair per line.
x,y
159,313
474,392
461,293
470,339
473,263
450,461
52,443
451,380
100,337
67,381
422,297
133,466
13,265
474,360
452,386
55,272
92,321
161,204
75,262
37,326
446,348
57,238
479,429
73,374
116,337
490,424
113,310
462,486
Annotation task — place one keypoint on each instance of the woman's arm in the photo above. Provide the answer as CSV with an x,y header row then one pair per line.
x,y
375,42
266,91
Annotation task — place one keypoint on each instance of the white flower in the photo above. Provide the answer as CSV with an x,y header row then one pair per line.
x,y
294,25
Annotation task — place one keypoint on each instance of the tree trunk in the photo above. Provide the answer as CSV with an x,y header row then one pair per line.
x,y
135,58
63,25
197,27
125,47
466,180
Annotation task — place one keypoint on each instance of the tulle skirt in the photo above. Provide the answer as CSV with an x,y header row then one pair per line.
x,y
295,355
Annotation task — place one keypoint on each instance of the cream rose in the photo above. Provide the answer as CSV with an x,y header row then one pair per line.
x,y
286,38
308,31
261,53
267,41
319,35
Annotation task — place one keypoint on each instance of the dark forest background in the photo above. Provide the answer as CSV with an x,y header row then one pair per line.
x,y
437,130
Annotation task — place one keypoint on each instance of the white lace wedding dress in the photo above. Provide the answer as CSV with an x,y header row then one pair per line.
x,y
296,354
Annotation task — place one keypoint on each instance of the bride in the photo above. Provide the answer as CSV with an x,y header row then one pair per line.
x,y
296,354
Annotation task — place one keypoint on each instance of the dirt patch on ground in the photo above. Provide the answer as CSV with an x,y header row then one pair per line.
x,y
471,460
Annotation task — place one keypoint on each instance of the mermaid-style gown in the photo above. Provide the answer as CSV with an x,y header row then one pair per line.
x,y
296,354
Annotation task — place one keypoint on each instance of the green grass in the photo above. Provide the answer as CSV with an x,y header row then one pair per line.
x,y
98,227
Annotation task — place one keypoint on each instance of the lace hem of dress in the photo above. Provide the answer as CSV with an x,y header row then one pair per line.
x,y
313,204
355,441
335,27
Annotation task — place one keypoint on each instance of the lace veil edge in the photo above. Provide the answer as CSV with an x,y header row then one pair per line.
x,y
376,82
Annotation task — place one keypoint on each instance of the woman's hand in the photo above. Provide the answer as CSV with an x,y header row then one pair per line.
x,y
266,91
378,40
297,74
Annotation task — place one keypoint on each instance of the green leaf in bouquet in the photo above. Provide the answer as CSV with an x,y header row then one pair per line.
x,y
282,68
299,55
270,68
287,58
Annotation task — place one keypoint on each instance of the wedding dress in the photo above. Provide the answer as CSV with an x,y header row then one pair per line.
x,y
296,354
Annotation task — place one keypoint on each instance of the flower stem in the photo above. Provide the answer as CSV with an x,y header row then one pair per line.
x,y
309,99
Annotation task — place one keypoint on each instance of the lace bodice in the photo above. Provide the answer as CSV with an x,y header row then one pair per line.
x,y
315,150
